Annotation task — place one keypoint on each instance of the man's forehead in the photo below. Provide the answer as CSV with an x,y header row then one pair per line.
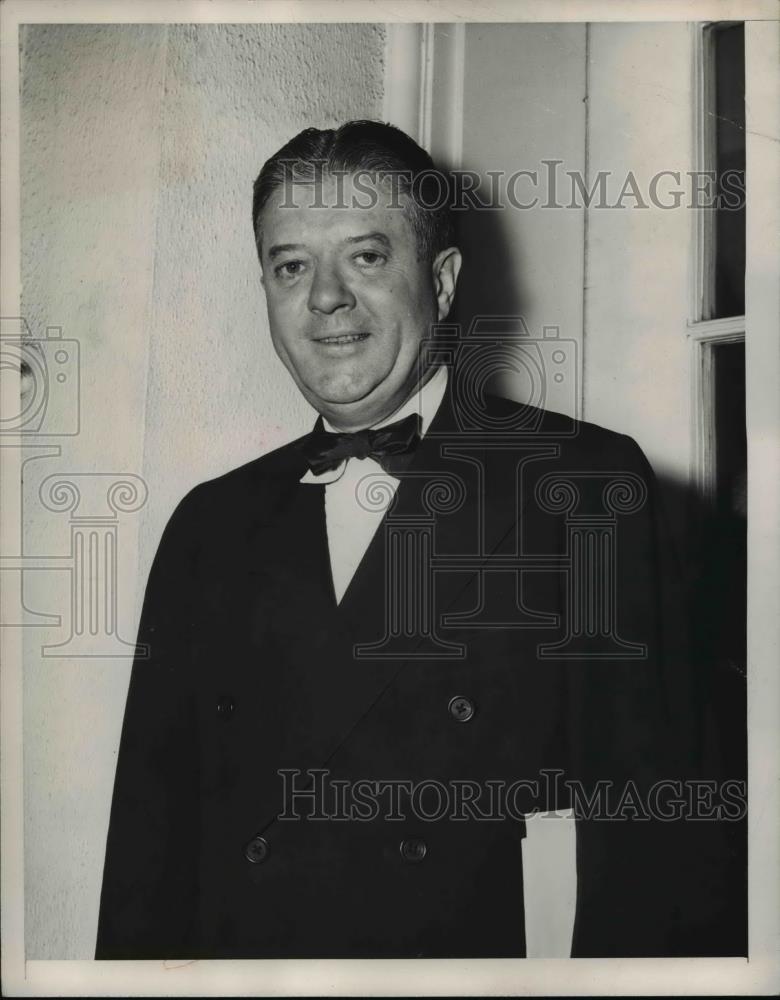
x,y
341,207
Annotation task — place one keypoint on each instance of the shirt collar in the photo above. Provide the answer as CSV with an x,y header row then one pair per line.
x,y
425,400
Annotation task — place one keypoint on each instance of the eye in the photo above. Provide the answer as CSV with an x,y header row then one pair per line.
x,y
370,258
289,269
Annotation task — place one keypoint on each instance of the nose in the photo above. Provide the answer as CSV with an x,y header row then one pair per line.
x,y
328,291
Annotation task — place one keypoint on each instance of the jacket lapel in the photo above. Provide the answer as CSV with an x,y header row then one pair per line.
x,y
458,505
435,513
287,567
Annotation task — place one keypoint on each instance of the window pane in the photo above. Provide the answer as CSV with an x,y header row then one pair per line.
x,y
720,616
726,614
730,437
730,165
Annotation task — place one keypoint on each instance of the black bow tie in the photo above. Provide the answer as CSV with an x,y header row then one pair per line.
x,y
390,445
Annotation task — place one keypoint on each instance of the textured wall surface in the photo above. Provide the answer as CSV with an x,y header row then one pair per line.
x,y
140,146
91,104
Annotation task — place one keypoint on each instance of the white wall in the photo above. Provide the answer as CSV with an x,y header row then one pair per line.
x,y
140,146
90,155
636,374
523,103
620,101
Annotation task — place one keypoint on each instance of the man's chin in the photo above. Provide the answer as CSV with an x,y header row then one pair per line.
x,y
347,398
353,412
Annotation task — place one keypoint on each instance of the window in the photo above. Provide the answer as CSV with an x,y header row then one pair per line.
x,y
728,294
717,324
716,332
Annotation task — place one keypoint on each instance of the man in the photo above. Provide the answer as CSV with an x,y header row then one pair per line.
x,y
436,589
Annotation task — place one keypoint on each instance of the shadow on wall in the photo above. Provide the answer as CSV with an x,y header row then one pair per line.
x,y
491,281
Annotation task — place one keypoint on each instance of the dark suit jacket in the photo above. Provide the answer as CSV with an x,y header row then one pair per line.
x,y
252,668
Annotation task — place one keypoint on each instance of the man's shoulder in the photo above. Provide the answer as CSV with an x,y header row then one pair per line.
x,y
579,444
578,441
280,462
246,485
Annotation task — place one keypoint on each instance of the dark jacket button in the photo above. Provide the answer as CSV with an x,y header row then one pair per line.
x,y
225,706
413,849
461,709
257,850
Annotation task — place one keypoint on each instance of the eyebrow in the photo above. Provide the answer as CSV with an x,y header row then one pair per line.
x,y
279,248
283,248
379,237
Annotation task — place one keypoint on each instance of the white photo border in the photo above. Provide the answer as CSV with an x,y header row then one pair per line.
x,y
760,973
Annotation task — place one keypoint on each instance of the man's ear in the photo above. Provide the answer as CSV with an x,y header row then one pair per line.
x,y
446,268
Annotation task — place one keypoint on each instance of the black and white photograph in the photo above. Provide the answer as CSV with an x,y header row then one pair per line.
x,y
391,498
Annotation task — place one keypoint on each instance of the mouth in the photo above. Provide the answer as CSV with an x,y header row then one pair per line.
x,y
341,339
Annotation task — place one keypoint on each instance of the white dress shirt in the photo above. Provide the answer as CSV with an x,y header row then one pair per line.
x,y
358,491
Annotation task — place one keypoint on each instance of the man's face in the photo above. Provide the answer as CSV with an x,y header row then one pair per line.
x,y
348,299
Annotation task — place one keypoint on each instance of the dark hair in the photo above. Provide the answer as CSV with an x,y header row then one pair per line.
x,y
372,147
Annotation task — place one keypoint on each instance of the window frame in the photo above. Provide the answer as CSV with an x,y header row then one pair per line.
x,y
703,332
